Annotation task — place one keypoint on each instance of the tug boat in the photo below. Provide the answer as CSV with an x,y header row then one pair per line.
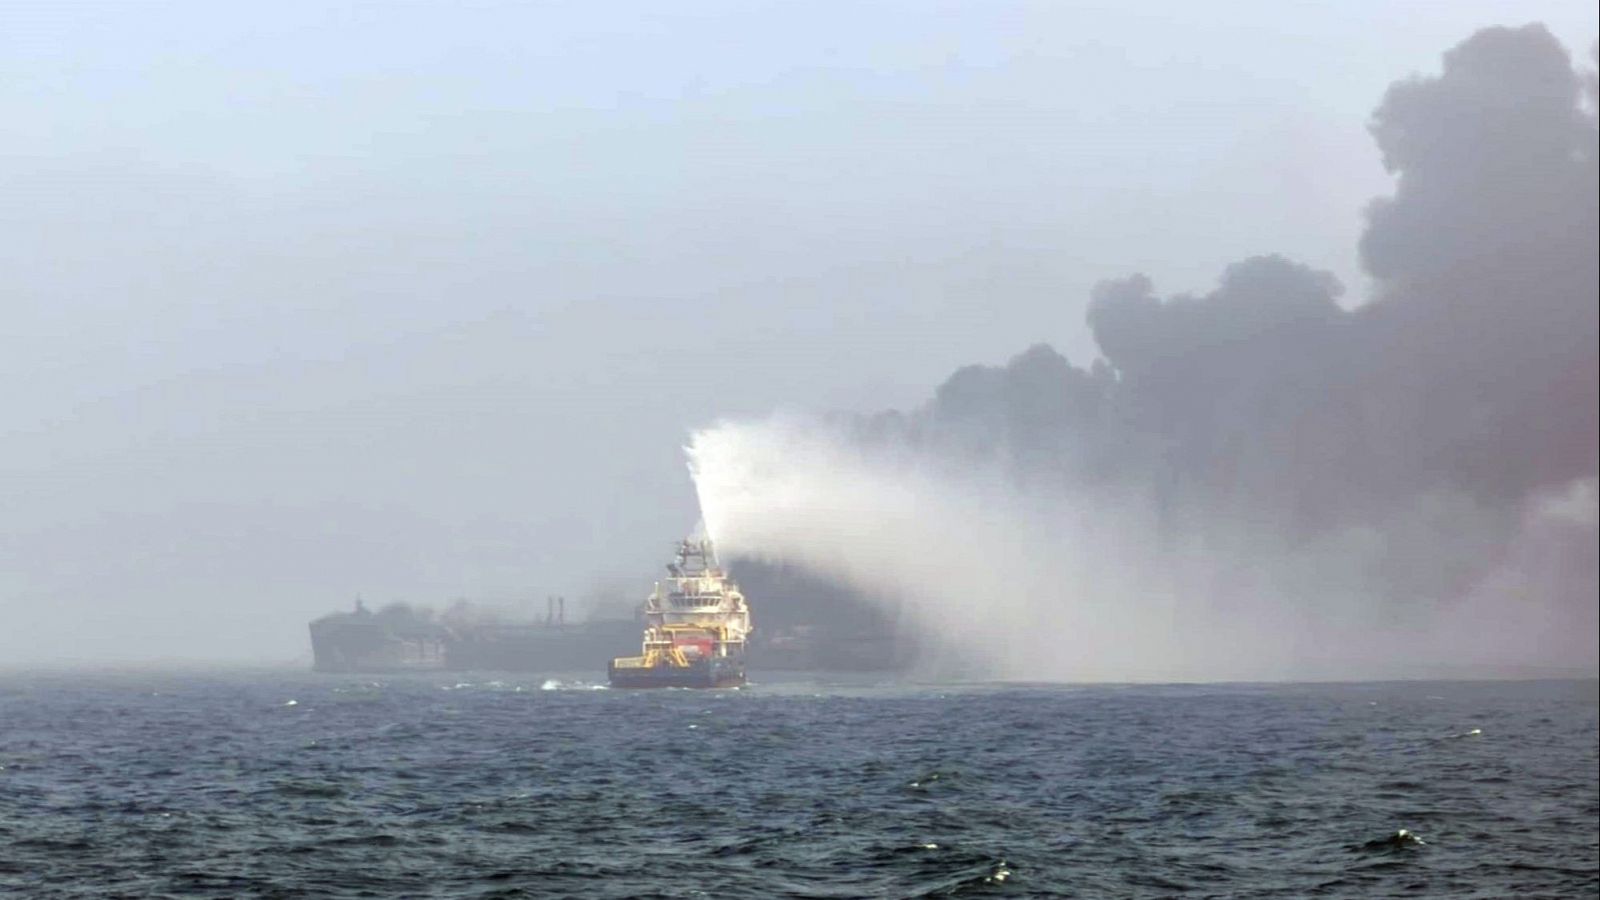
x,y
696,628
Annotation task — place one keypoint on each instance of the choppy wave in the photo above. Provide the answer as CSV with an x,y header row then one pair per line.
x,y
556,684
477,786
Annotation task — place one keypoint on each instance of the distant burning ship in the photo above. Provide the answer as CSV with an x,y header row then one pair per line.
x,y
465,637
696,626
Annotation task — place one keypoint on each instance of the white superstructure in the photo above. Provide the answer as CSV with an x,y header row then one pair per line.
x,y
696,616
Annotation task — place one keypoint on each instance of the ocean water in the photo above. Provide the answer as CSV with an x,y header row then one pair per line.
x,y
248,784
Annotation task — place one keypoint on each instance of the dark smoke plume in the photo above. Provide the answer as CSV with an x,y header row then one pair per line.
x,y
1445,429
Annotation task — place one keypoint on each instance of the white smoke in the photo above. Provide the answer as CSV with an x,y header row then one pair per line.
x,y
1578,504
1054,585
1538,604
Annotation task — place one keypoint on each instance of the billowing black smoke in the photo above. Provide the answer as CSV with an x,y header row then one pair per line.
x,y
1473,369
1447,425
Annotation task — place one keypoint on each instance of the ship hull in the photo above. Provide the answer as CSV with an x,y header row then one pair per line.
x,y
347,643
717,672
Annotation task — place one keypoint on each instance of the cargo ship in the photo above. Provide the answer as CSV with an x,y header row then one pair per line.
x,y
393,639
696,627
808,623
465,637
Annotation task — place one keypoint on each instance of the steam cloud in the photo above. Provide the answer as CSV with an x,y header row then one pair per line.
x,y
1259,482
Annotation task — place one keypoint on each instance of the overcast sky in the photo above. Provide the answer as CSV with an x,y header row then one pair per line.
x,y
421,300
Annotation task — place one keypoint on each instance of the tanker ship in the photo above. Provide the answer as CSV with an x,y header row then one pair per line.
x,y
465,637
696,625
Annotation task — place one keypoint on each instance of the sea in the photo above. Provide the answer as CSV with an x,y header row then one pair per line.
x,y
288,784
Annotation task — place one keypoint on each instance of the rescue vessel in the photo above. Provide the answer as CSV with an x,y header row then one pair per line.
x,y
696,627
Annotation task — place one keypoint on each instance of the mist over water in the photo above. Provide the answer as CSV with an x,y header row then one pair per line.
x,y
1258,482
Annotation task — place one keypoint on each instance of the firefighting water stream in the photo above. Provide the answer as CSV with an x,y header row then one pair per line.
x,y
1088,585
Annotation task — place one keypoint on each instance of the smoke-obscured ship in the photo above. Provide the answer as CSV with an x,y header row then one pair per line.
x,y
808,623
696,626
466,637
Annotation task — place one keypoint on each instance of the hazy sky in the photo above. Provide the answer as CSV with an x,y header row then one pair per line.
x,y
421,300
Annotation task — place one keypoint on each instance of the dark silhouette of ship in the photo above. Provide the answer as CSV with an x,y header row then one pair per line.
x,y
808,623
466,637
